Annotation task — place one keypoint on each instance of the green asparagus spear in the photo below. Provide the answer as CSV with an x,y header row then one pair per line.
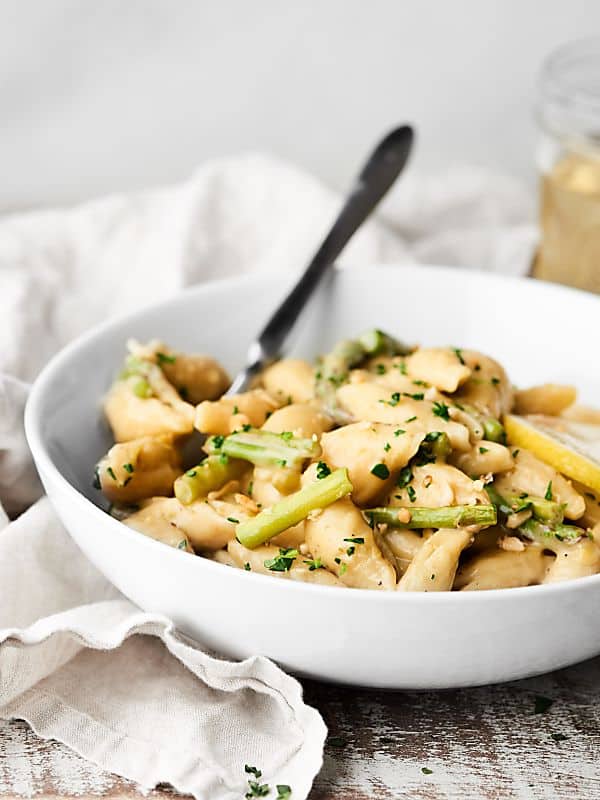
x,y
541,533
444,517
208,476
378,343
511,503
293,509
264,448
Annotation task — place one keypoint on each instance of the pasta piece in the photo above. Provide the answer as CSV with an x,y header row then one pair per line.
x,y
503,569
550,399
132,417
591,515
155,519
484,459
534,477
573,560
222,417
254,561
438,485
372,454
301,419
488,388
345,544
368,402
441,367
435,563
222,557
195,377
139,469
404,544
290,380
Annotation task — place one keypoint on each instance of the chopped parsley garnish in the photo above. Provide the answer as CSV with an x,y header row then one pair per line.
x,y
313,564
111,472
282,462
164,358
355,539
399,432
282,562
426,771
477,367
405,476
495,381
433,577
402,367
420,383
128,468
235,410
252,771
217,441
380,471
96,482
287,435
233,519
541,704
411,494
415,396
126,481
250,489
247,566
351,550
283,791
410,419
558,737
182,545
441,410
247,427
387,447
256,789
458,353
394,399
380,369
548,493
322,470
484,450
191,473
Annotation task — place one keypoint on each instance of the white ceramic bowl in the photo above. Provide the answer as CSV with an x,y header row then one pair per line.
x,y
419,641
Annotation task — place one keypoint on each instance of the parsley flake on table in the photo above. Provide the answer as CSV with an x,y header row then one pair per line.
x,y
283,791
541,704
426,771
380,471
283,561
558,737
247,566
441,410
256,789
252,771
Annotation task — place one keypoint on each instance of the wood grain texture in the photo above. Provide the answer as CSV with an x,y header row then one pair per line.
x,y
480,744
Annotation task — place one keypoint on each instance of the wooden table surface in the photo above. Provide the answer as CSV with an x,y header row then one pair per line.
x,y
484,744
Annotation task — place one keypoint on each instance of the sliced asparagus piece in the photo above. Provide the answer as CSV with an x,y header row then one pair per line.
x,y
493,429
264,448
539,532
208,476
543,510
293,509
379,343
444,517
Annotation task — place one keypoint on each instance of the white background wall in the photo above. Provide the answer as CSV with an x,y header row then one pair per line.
x,y
100,95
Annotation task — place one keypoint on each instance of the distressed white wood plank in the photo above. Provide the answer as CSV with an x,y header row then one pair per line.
x,y
481,744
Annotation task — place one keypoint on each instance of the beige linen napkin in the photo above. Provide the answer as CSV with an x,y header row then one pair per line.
x,y
78,661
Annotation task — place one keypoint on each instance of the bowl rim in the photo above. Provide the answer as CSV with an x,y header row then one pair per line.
x,y
41,456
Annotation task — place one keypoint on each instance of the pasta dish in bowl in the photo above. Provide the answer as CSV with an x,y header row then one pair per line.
x,y
370,512
380,467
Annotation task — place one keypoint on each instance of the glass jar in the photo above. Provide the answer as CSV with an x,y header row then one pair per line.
x,y
568,158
